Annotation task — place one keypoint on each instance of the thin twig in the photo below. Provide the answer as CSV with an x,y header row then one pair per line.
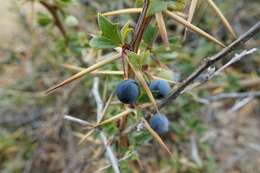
x,y
210,61
243,83
135,10
193,28
240,104
82,73
113,160
76,120
194,150
162,29
54,12
192,9
234,95
223,19
109,165
210,73
236,58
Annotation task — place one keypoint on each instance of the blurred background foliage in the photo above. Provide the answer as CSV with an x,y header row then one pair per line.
x,y
34,137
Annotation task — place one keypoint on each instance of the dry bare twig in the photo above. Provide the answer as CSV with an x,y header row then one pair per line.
x,y
76,120
192,9
194,150
113,160
109,165
240,104
210,73
234,95
209,62
236,58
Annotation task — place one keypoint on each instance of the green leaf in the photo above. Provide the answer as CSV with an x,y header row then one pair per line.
x,y
109,30
156,6
149,34
102,43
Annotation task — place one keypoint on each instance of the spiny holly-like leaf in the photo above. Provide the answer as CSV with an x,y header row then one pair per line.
x,y
102,43
109,30
156,6
110,35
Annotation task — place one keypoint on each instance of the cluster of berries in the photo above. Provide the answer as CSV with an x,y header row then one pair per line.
x,y
128,91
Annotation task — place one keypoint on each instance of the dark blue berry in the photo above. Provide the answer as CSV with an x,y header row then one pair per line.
x,y
160,88
159,123
127,91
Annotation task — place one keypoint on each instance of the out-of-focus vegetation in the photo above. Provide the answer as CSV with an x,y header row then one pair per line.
x,y
37,45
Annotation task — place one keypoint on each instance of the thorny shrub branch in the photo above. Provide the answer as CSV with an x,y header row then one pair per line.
x,y
210,61
211,72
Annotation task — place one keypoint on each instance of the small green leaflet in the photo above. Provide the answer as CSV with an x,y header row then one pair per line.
x,y
110,34
156,6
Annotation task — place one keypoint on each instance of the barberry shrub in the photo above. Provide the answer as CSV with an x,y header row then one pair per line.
x,y
137,55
